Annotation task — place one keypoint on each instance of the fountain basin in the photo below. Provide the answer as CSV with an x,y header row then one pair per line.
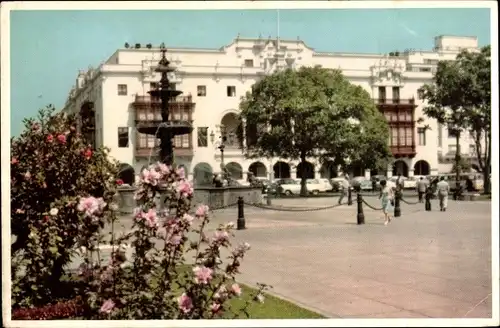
x,y
211,196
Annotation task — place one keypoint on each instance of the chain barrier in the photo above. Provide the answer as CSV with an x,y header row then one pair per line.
x,y
289,209
224,207
372,207
409,203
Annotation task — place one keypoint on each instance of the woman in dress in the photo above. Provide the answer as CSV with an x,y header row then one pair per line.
x,y
386,197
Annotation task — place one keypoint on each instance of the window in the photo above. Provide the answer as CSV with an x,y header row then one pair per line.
x,y
394,136
181,114
122,89
425,69
395,94
123,137
202,90
147,141
381,94
248,62
202,137
409,136
421,136
231,91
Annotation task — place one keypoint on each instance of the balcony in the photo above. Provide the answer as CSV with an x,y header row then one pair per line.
x,y
155,102
395,101
178,152
403,151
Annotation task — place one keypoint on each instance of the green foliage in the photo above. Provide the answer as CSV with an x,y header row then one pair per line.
x,y
460,96
314,112
51,168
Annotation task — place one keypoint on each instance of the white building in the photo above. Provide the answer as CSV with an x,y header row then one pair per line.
x,y
213,80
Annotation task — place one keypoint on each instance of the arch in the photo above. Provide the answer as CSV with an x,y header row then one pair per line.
x,y
202,174
307,170
232,128
235,170
126,173
258,169
422,168
328,170
400,167
281,170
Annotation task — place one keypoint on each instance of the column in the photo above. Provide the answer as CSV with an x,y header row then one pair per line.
x,y
389,171
368,174
411,172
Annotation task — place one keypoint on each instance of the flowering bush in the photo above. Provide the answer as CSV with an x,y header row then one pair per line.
x,y
158,282
52,167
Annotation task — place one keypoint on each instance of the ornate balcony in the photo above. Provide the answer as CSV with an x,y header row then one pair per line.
x,y
384,104
155,102
403,151
146,152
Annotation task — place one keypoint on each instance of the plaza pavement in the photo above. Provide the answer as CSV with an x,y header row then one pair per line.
x,y
424,264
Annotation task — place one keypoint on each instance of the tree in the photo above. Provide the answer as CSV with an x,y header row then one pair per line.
x,y
313,112
460,97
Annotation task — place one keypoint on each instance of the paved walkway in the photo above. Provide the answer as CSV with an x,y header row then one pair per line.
x,y
422,265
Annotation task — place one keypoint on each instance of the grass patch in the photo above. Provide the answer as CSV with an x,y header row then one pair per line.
x,y
272,308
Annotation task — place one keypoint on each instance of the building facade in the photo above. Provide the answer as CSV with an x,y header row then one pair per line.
x,y
113,98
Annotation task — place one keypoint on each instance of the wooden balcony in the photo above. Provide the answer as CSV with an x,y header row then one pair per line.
x,y
180,152
385,103
155,102
403,151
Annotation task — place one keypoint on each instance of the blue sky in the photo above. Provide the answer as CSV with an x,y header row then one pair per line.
x,y
49,47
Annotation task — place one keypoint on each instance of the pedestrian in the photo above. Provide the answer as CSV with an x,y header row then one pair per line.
x,y
344,188
387,200
421,188
443,189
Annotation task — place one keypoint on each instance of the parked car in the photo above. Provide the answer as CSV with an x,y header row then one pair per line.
x,y
410,183
366,184
326,183
336,183
293,186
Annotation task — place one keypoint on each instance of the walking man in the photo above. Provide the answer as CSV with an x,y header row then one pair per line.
x,y
443,189
421,188
345,185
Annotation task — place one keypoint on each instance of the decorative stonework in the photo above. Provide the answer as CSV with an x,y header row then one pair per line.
x,y
387,72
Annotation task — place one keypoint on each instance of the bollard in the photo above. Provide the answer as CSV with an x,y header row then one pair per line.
x,y
360,216
241,216
268,199
349,196
397,204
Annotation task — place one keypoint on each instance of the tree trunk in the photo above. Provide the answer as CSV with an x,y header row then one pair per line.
x,y
487,164
303,187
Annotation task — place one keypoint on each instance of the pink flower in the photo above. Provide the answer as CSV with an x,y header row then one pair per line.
x,y
87,153
119,182
14,161
107,307
181,173
164,168
188,218
50,138
221,293
215,307
91,205
202,211
185,303
150,176
220,236
202,275
184,188
61,138
150,218
236,289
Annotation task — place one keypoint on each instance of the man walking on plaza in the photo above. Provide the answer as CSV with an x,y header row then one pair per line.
x,y
345,185
443,189
421,188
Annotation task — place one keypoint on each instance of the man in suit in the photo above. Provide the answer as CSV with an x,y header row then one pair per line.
x,y
421,188
443,189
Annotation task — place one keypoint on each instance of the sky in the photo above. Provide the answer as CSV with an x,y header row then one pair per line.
x,y
49,47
